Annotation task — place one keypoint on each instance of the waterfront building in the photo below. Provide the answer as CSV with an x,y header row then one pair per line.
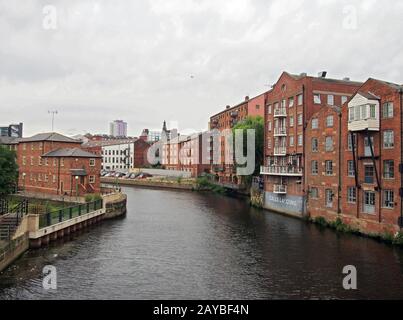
x,y
184,153
289,110
125,156
118,128
225,120
55,164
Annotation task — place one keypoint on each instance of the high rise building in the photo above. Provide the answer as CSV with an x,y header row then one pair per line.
x,y
118,128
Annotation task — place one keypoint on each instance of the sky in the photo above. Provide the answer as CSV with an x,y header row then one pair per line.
x,y
178,60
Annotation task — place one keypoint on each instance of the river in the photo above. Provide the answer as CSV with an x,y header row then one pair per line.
x,y
187,245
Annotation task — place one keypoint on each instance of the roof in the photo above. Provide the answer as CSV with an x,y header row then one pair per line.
x,y
71,152
390,84
49,136
9,140
368,95
301,76
107,143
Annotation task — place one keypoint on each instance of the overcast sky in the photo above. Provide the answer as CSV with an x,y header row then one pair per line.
x,y
145,61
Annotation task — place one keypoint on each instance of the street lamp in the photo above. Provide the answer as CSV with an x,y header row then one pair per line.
x,y
23,181
77,187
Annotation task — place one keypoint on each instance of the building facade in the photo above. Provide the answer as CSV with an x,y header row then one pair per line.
x,y
224,121
55,164
290,106
118,128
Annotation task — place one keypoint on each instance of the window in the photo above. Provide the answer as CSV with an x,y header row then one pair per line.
x,y
46,161
283,103
39,161
269,109
300,120
388,199
316,98
300,99
291,102
291,141
350,168
32,146
387,110
315,123
24,146
388,169
46,178
54,162
388,139
300,141
32,161
330,100
92,179
257,107
269,143
269,125
369,202
54,179
372,111
329,198
62,162
344,99
291,121
314,167
329,121
369,174
24,160
315,145
351,195
329,144
92,162
329,167
314,193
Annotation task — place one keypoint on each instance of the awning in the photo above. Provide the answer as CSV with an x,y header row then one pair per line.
x,y
78,172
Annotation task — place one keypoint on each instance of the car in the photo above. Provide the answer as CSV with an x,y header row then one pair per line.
x,y
144,176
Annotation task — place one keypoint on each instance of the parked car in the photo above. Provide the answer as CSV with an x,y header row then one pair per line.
x,y
144,176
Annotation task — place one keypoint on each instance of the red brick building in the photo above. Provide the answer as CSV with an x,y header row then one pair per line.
x,y
290,106
371,158
184,153
55,164
226,120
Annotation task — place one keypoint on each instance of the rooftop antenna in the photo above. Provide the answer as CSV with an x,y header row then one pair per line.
x,y
53,112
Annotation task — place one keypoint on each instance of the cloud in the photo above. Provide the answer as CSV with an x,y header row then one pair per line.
x,y
134,59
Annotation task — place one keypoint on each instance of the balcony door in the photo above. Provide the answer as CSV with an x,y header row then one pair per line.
x,y
369,202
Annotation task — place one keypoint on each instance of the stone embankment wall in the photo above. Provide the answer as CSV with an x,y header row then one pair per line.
x,y
115,205
151,183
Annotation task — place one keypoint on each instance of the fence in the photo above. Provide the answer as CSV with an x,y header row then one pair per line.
x,y
54,217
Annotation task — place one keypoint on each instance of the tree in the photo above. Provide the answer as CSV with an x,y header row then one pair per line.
x,y
256,123
8,171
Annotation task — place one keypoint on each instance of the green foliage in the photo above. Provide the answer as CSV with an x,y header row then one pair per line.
x,y
92,197
321,221
8,171
398,240
179,180
387,237
203,183
256,123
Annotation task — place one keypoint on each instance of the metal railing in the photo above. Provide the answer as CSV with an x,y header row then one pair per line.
x,y
281,151
280,131
281,170
280,112
58,216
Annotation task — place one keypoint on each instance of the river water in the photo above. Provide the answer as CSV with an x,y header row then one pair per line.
x,y
184,245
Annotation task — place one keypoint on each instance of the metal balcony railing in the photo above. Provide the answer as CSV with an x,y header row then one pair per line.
x,y
280,151
280,131
281,170
280,112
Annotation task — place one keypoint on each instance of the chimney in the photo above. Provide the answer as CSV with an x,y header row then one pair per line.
x,y
247,98
227,107
322,74
346,79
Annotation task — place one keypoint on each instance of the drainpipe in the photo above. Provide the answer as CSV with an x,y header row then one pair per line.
x,y
339,166
303,182
401,155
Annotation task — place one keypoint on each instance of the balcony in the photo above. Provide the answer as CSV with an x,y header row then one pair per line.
x,y
290,171
280,113
280,189
280,151
280,132
363,113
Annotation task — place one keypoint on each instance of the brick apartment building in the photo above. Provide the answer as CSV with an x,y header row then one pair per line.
x,y
226,120
55,164
290,106
184,153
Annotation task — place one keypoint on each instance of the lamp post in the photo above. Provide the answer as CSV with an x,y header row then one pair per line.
x,y
23,181
77,187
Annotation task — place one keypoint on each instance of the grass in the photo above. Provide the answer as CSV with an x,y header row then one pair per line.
x,y
203,183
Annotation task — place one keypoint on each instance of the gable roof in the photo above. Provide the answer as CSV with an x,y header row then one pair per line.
x,y
368,95
390,84
71,153
49,136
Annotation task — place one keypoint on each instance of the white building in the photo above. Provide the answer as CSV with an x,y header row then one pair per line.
x,y
118,156
118,128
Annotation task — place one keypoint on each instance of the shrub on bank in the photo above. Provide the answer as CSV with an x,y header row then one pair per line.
x,y
92,197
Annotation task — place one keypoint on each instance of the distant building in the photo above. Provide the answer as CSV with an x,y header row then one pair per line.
x,y
118,128
13,131
150,136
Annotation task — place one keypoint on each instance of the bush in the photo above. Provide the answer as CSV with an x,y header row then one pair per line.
x,y
321,221
398,240
88,198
